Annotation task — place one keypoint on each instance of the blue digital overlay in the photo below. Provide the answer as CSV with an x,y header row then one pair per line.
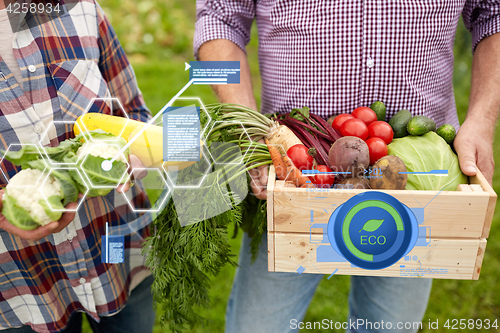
x,y
432,172
316,172
214,72
181,134
372,230
113,249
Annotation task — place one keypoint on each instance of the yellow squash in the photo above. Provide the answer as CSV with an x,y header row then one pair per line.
x,y
148,147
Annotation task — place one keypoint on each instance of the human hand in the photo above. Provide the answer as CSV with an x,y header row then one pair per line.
x,y
474,146
42,231
136,170
258,182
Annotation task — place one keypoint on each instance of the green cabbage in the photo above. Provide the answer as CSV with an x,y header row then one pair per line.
x,y
426,153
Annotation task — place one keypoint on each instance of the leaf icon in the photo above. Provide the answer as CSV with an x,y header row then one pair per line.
x,y
372,225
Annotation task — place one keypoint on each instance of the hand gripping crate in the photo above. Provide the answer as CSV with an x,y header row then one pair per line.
x,y
448,238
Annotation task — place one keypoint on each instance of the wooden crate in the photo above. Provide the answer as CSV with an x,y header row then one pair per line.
x,y
459,222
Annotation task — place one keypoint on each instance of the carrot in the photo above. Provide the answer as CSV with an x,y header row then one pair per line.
x,y
279,166
252,123
288,163
294,174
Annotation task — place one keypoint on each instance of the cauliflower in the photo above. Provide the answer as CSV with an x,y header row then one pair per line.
x,y
28,207
25,204
100,149
101,181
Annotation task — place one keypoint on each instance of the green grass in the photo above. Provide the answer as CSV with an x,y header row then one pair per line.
x,y
160,73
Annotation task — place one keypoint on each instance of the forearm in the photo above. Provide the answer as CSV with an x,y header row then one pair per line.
x,y
225,50
474,141
484,105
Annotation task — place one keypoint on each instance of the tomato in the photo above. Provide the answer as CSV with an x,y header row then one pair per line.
x,y
300,157
381,129
324,181
366,114
340,119
354,127
377,149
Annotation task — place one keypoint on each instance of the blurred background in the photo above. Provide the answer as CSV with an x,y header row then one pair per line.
x,y
157,36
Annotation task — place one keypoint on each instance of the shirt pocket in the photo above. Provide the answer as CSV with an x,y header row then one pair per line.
x,y
78,83
295,18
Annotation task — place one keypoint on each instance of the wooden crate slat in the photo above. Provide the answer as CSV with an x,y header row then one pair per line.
x,y
458,256
464,188
460,222
449,214
479,260
476,188
270,198
270,251
479,179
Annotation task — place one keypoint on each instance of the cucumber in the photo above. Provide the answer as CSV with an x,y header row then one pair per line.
x,y
399,122
447,132
379,109
419,125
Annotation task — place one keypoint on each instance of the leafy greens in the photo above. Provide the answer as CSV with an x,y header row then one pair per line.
x,y
426,153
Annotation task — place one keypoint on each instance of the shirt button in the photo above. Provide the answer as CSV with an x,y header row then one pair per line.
x,y
370,63
82,280
70,237
32,68
38,129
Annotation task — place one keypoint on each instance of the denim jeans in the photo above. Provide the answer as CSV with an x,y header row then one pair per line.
x,y
137,316
266,302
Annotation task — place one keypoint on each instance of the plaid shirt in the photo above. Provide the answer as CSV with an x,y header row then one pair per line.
x,y
65,64
334,56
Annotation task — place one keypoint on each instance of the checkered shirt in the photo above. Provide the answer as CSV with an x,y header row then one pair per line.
x,y
334,56
66,63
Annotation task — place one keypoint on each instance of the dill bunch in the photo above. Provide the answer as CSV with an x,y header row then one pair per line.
x,y
183,252
181,259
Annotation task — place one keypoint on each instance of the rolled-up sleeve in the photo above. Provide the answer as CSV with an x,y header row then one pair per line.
x,y
482,18
223,19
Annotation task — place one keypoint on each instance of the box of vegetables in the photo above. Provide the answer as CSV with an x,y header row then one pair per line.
x,y
353,195
360,196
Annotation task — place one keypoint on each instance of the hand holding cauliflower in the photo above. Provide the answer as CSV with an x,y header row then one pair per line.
x,y
25,206
28,207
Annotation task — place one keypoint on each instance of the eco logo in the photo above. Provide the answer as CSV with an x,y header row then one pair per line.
x,y
373,230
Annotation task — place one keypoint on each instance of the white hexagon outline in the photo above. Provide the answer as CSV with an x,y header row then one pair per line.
x,y
46,156
80,201
106,99
174,185
202,106
246,151
164,198
104,186
23,144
